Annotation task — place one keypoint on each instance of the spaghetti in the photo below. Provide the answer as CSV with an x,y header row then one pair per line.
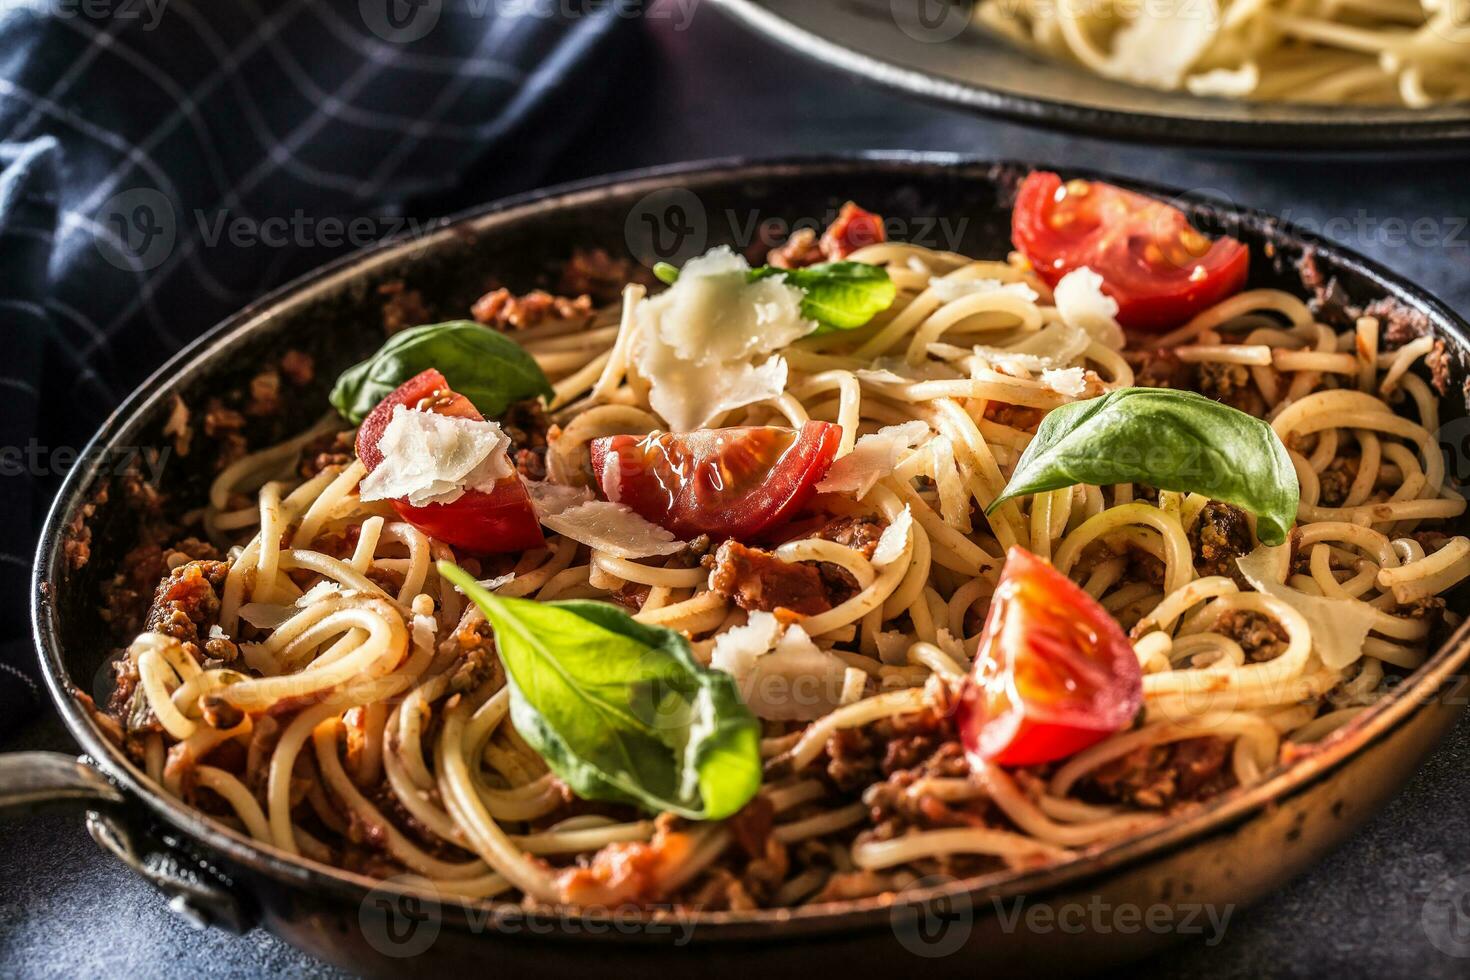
x,y
1362,51
366,722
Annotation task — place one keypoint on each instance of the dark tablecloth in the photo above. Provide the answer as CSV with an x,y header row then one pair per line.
x,y
702,88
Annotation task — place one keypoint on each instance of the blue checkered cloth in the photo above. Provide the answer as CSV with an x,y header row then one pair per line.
x,y
133,132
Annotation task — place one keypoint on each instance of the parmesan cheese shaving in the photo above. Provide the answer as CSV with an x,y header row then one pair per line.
x,y
1339,626
948,290
606,526
1164,40
1065,381
614,529
430,458
698,341
1056,345
894,540
872,458
1082,303
782,676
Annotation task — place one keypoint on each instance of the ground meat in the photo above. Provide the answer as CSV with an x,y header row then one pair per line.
x,y
502,309
402,308
797,252
1161,776
857,533
225,427
1400,323
852,229
631,595
1231,384
859,757
329,449
1260,636
298,367
1015,416
1221,535
1161,369
265,394
896,808
127,595
1438,362
1336,479
187,602
757,579
595,273
526,424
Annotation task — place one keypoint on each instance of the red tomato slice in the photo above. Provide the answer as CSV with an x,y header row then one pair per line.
x,y
481,521
728,483
1152,261
1054,672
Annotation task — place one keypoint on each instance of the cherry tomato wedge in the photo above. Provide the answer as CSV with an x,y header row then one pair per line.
x,y
728,483
852,229
479,522
1054,672
1152,261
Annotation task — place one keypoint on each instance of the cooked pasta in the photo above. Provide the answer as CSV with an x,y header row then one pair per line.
x,y
366,721
1408,52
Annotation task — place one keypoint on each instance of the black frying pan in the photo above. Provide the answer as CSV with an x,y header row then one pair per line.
x,y
1232,850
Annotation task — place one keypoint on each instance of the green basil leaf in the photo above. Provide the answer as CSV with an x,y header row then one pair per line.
x,y
838,295
485,366
619,710
1171,440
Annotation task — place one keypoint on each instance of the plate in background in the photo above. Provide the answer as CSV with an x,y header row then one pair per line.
x,y
928,49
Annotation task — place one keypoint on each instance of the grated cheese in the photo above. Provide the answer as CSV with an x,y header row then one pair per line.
x,y
433,459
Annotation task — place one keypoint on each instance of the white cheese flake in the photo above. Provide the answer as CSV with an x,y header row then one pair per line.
x,y
1065,381
1082,303
1339,626
872,458
894,541
947,290
1164,40
613,528
698,342
430,458
782,676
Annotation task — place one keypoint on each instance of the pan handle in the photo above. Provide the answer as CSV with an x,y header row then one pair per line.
x,y
34,781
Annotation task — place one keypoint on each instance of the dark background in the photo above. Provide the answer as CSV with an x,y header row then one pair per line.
x,y
711,90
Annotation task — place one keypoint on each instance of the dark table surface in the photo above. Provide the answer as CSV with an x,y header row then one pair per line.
x,y
707,89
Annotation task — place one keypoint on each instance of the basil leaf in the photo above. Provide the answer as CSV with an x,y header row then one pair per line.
x,y
1171,440
621,711
485,366
839,295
